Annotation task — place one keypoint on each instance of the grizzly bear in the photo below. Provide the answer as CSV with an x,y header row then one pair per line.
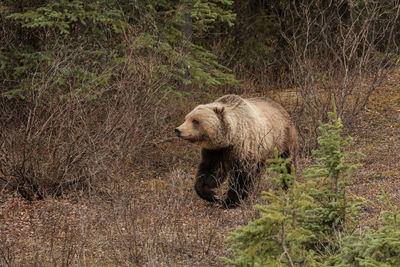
x,y
237,136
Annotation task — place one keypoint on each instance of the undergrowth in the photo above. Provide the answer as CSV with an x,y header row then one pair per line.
x,y
315,223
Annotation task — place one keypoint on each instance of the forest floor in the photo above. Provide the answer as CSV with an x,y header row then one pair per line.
x,y
159,221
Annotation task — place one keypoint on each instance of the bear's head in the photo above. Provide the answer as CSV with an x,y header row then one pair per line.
x,y
206,126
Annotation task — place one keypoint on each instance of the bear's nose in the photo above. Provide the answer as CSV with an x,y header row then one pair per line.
x,y
177,132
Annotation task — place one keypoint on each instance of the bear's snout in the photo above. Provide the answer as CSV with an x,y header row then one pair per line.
x,y
177,132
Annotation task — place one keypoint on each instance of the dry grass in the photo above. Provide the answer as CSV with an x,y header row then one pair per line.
x,y
158,222
144,210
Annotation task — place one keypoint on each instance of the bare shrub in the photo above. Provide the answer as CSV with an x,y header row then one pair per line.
x,y
345,48
52,141
168,225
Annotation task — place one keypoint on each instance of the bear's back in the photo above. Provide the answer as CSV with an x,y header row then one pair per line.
x,y
271,109
230,100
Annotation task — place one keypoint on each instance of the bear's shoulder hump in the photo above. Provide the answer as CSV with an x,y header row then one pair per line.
x,y
230,99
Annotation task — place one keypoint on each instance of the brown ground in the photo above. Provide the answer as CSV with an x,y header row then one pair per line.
x,y
159,221
378,136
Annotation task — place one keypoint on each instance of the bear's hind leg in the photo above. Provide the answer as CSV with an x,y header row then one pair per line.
x,y
286,155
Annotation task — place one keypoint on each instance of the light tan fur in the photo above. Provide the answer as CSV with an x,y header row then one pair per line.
x,y
251,127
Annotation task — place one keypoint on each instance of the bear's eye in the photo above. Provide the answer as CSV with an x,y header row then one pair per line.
x,y
196,122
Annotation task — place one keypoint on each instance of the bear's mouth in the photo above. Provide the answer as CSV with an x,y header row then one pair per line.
x,y
187,138
192,139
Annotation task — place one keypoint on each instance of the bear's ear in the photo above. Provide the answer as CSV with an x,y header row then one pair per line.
x,y
219,110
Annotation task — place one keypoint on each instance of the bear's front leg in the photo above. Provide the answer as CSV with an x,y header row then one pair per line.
x,y
209,174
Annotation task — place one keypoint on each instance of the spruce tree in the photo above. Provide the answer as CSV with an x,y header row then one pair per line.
x,y
277,238
336,210
373,248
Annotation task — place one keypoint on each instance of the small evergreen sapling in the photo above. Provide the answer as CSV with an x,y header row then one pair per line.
x,y
379,248
276,238
335,208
